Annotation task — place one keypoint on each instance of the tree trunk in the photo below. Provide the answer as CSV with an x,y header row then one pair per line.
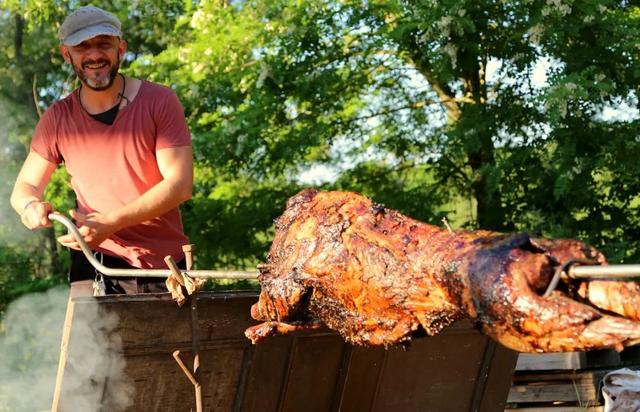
x,y
466,114
24,89
480,155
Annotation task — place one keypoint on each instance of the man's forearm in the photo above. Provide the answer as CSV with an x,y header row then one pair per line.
x,y
23,194
176,167
30,185
160,199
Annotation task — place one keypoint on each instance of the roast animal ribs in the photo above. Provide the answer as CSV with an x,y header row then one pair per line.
x,y
379,278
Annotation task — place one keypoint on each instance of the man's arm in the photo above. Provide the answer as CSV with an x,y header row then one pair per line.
x,y
28,191
176,167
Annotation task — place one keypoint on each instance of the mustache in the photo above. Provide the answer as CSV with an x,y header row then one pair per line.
x,y
85,63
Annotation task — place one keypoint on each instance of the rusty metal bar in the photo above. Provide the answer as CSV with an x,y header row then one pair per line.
x,y
175,271
195,337
195,343
144,273
176,356
188,255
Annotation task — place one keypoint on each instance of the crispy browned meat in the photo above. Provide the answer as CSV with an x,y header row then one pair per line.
x,y
378,277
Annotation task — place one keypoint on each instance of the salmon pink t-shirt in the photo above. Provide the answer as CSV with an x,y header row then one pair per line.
x,y
113,165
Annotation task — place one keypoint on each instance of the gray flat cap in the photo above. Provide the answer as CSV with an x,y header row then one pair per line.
x,y
88,22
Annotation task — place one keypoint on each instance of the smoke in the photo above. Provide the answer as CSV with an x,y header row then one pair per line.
x,y
11,153
94,378
29,347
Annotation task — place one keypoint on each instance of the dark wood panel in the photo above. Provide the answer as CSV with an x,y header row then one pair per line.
x,y
362,379
305,371
434,374
267,371
158,383
314,365
498,381
220,376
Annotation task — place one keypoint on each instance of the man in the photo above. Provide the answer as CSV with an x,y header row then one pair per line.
x,y
127,148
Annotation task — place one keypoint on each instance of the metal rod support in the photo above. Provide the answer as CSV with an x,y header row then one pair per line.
x,y
144,273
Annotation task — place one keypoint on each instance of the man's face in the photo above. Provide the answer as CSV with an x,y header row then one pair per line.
x,y
96,61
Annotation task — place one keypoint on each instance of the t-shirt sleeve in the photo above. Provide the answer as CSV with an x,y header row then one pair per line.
x,y
45,141
172,129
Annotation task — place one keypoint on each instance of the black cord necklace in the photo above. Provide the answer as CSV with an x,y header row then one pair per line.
x,y
109,116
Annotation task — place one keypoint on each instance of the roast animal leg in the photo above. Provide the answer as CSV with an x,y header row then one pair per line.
x,y
259,332
618,297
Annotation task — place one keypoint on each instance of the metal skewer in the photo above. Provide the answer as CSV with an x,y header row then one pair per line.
x,y
144,273
604,272
587,269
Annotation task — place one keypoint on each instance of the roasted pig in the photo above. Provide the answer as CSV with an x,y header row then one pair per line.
x,y
379,278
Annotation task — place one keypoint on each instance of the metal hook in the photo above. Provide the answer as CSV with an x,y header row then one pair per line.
x,y
563,269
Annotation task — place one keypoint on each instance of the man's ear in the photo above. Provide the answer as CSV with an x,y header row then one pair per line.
x,y
65,53
122,48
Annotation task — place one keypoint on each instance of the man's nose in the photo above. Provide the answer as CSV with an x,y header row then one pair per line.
x,y
94,53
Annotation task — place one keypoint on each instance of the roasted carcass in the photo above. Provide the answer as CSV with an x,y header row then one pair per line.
x,y
378,277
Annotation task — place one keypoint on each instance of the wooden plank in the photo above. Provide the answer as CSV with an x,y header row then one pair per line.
x,y
559,409
595,375
159,384
496,388
313,372
446,384
64,352
220,377
266,375
360,385
579,391
549,361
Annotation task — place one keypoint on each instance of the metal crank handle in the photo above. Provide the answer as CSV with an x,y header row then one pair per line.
x,y
143,273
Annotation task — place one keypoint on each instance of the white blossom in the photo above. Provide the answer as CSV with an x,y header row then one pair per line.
x,y
535,33
198,20
452,50
444,24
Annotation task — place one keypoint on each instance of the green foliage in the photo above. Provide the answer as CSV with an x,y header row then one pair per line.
x,y
19,275
380,91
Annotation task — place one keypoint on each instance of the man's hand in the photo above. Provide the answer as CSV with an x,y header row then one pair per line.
x,y
94,229
35,214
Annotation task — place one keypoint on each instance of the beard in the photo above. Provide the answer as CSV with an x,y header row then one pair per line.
x,y
97,82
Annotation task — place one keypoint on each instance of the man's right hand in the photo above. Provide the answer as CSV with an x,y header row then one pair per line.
x,y
36,214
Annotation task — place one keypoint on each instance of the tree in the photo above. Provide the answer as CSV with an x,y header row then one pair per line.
x,y
440,97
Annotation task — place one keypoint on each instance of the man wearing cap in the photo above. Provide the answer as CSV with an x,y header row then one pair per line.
x,y
126,145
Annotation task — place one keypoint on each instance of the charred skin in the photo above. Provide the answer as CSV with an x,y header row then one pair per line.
x,y
376,277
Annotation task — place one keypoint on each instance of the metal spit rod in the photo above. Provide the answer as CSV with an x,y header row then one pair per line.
x,y
144,273
604,272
